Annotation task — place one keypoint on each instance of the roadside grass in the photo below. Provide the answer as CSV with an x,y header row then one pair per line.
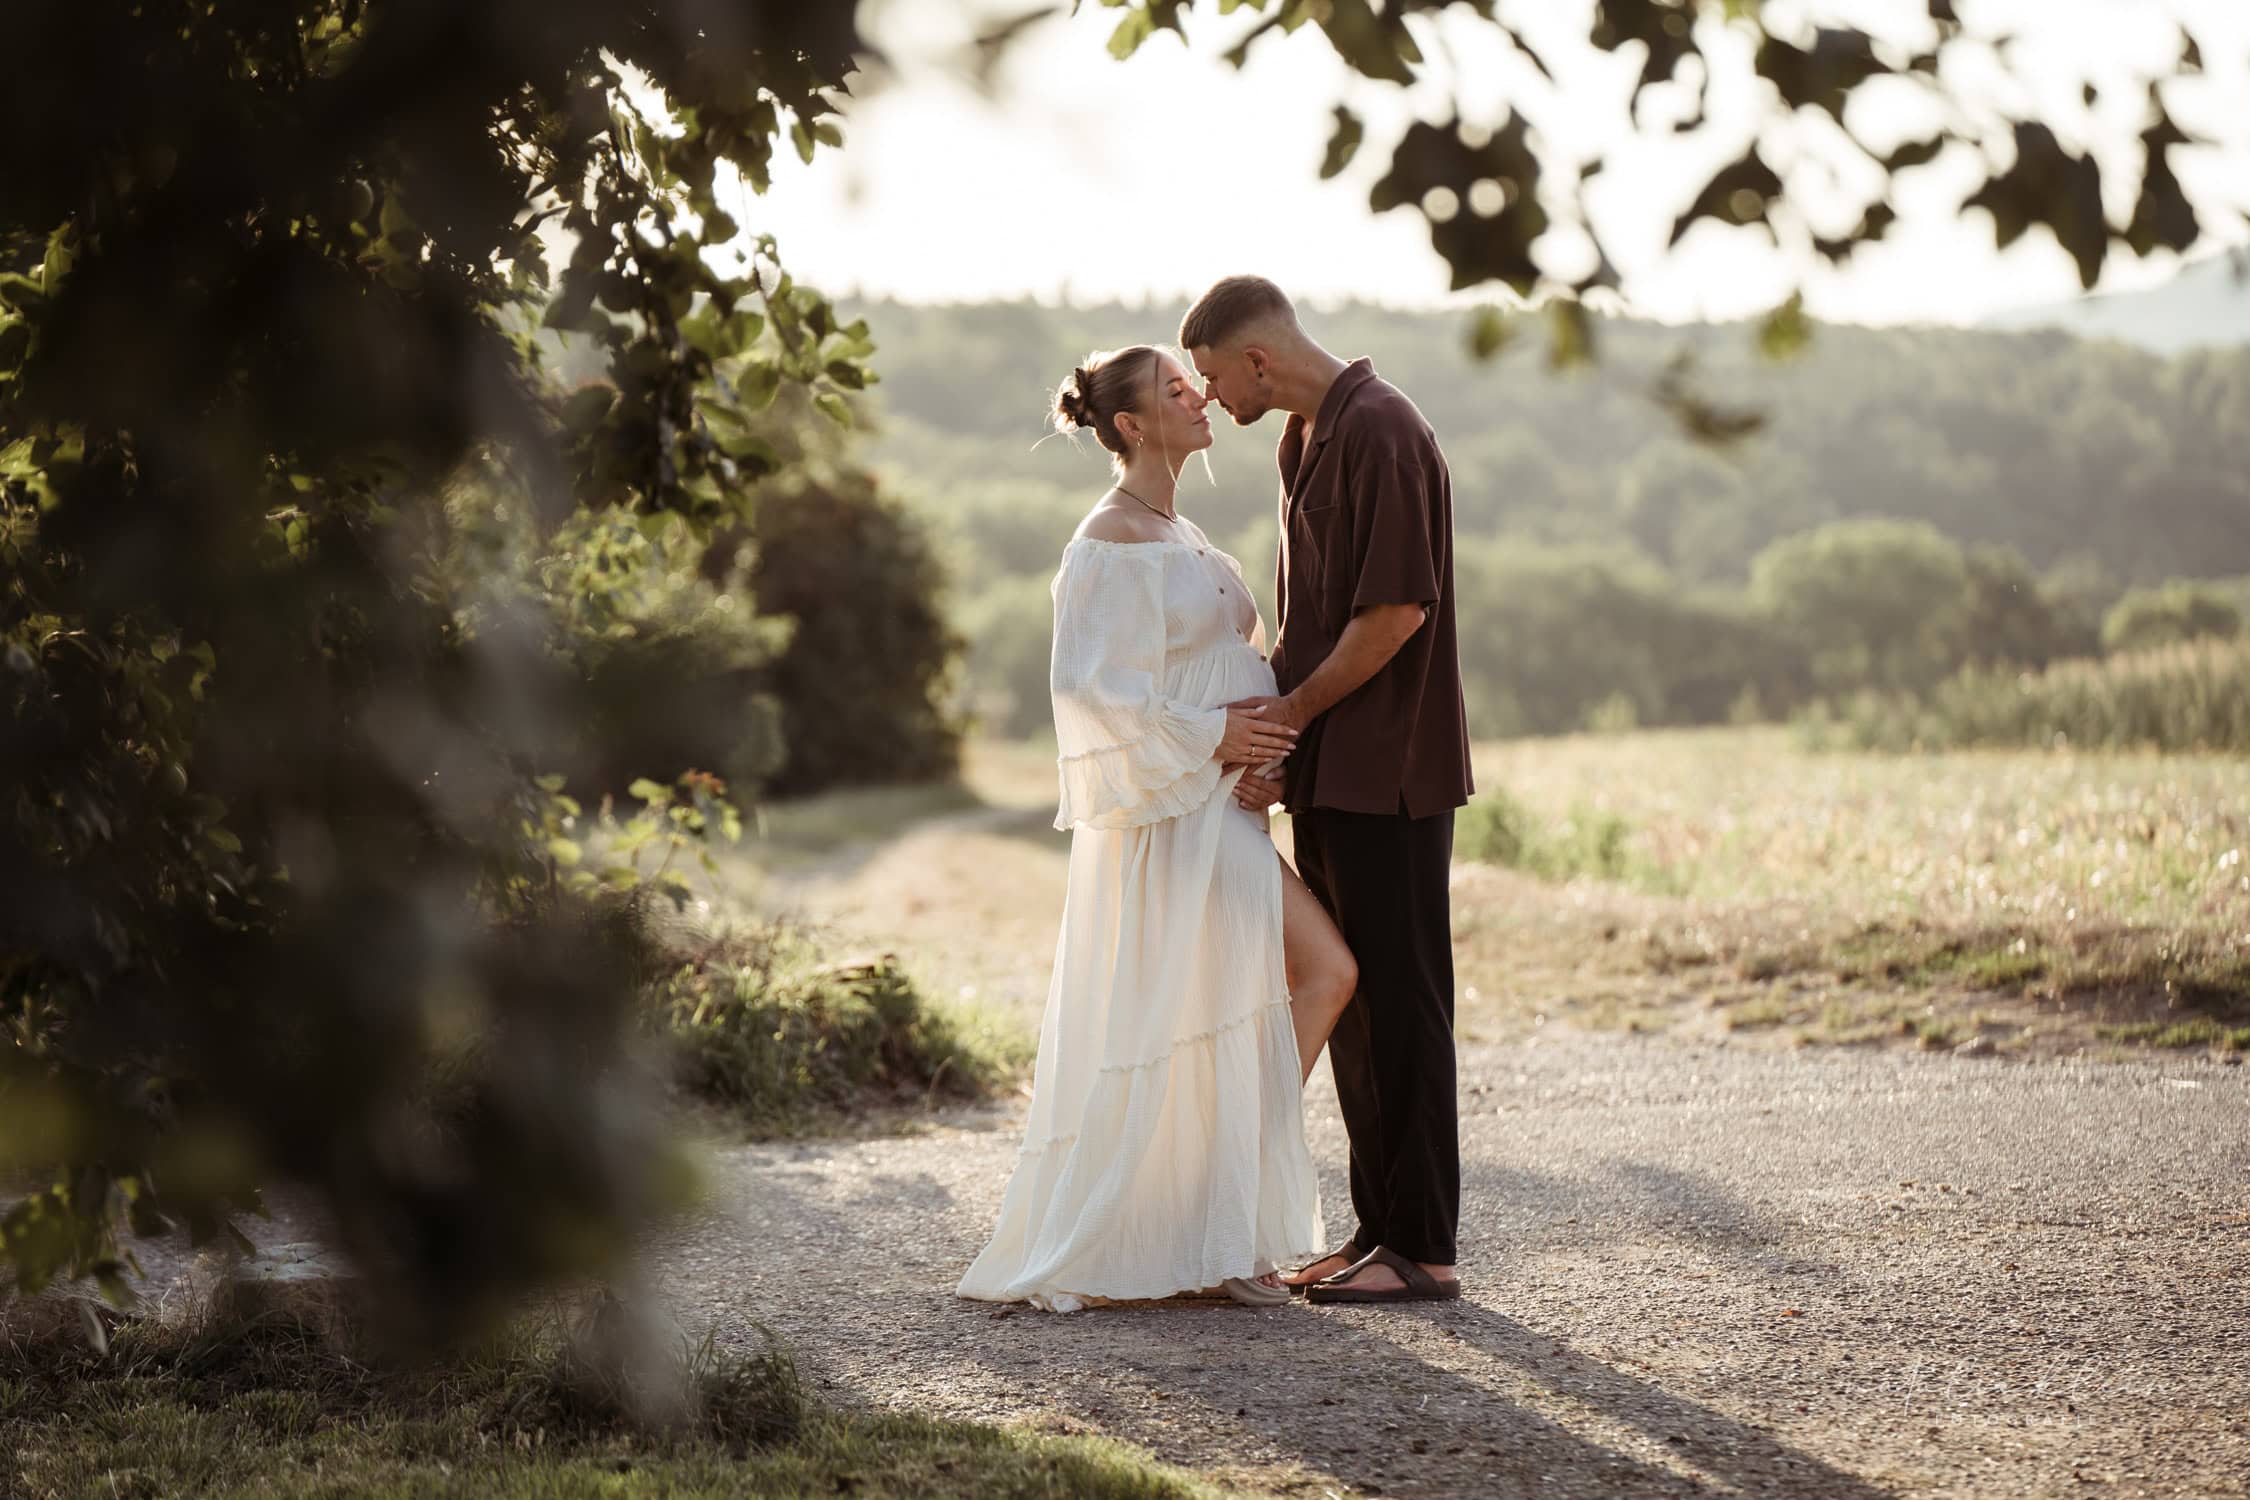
x,y
2199,1032
1710,881
780,1040
274,1405
1602,955
776,1022
2026,900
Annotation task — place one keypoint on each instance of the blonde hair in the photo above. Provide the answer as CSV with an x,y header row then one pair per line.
x,y
1108,383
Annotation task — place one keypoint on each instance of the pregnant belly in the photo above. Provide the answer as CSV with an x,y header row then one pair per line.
x,y
1226,675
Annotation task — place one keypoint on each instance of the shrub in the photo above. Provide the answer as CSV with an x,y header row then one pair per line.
x,y
2192,696
864,682
761,1026
2167,616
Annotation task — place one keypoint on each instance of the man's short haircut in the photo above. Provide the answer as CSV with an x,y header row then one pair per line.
x,y
1230,307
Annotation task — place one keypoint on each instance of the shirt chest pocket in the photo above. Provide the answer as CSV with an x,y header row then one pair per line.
x,y
1320,544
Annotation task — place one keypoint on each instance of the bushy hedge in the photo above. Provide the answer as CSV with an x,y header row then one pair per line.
x,y
2189,697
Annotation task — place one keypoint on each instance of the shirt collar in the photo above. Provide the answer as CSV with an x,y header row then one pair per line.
x,y
1355,375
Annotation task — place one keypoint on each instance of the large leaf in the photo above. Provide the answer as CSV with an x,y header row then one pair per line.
x,y
1450,159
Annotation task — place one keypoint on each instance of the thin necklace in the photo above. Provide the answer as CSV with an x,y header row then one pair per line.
x,y
1128,494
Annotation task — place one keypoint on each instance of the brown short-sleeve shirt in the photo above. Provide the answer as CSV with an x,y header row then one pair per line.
x,y
1367,519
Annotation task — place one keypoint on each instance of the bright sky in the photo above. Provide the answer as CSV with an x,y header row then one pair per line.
x,y
1087,179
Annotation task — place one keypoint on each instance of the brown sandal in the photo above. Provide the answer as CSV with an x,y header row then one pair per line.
x,y
1420,1286
1351,1254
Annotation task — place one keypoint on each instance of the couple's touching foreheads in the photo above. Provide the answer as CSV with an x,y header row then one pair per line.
x,y
1197,975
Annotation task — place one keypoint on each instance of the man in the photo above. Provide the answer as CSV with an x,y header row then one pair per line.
x,y
1368,669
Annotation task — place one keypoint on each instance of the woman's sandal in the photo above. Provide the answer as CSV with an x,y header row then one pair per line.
x,y
1246,1290
1420,1286
1347,1252
1251,1292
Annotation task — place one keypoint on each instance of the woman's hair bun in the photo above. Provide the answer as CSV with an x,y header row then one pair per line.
x,y
1120,380
1071,403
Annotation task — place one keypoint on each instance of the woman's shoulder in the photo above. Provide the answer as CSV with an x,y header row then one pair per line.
x,y
1116,526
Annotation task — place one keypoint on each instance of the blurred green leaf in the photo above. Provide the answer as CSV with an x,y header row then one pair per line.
x,y
1786,330
1570,340
1490,331
1343,143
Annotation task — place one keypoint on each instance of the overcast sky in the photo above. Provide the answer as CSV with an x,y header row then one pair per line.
x,y
1087,178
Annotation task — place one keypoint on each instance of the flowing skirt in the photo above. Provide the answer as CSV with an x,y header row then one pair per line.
x,y
1165,1150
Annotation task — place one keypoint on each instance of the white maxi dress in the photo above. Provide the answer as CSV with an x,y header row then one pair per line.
x,y
1166,1149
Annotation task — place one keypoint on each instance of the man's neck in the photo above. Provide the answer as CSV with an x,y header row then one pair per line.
x,y
1303,381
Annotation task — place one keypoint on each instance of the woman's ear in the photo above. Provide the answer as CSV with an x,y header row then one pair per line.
x,y
1128,427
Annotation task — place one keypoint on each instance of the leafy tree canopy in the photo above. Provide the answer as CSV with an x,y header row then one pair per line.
x,y
298,553
1506,201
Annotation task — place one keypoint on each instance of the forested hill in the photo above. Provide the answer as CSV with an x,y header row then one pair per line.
x,y
2081,454
2205,306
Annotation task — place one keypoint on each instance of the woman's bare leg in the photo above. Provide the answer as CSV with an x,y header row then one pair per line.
x,y
1322,973
1322,978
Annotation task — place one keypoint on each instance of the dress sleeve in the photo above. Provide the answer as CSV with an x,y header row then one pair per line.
x,y
1127,754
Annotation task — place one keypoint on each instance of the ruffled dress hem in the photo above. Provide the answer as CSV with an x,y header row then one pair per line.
x,y
1161,1255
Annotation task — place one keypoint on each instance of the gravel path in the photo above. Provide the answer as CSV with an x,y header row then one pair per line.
x,y
1690,1269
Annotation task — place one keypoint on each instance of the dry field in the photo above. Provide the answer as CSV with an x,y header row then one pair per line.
x,y
2017,902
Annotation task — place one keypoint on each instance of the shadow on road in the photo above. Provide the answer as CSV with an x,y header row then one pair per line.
x,y
1446,1399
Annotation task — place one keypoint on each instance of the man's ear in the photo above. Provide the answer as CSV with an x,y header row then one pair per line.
x,y
1259,359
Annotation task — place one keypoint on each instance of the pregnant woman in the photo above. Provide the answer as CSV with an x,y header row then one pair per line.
x,y
1195,977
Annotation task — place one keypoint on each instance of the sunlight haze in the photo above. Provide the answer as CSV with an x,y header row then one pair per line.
x,y
1081,178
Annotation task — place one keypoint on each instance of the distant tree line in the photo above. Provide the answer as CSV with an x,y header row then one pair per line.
x,y
1914,502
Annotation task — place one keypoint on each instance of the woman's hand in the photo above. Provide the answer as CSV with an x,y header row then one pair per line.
x,y
1253,739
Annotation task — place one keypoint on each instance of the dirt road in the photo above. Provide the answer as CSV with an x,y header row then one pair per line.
x,y
1691,1269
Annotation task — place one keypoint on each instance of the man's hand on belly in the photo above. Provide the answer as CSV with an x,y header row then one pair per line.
x,y
1260,787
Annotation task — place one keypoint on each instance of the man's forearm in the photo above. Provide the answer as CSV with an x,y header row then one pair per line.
x,y
1369,641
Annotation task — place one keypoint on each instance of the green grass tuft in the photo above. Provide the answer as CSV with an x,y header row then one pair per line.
x,y
1497,829
273,1406
2200,1031
759,1025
